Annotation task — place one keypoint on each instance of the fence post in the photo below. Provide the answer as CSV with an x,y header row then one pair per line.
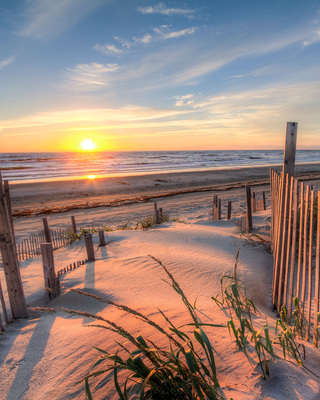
x,y
51,282
317,279
74,226
10,261
101,238
229,209
3,304
264,201
46,230
89,247
8,201
290,148
161,214
249,211
157,215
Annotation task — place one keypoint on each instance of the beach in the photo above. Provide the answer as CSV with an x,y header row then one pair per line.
x,y
115,201
43,357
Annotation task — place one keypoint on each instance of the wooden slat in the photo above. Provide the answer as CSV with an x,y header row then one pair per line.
x,y
3,304
305,250
293,247
300,249
283,242
287,260
310,265
317,279
249,210
278,240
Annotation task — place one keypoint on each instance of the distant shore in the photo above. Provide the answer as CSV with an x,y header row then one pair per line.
x,y
61,196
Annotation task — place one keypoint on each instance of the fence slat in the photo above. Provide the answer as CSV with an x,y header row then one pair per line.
x,y
290,185
293,246
317,279
278,238
284,242
310,264
305,249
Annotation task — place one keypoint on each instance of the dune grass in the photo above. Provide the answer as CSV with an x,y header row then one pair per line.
x,y
249,337
184,370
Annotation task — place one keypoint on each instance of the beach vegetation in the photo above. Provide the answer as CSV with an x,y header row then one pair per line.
x,y
143,223
185,369
249,337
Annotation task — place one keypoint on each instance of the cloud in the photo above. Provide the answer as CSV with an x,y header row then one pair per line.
x,y
117,116
164,33
46,18
6,62
162,9
89,77
314,38
108,49
161,34
185,100
145,39
255,73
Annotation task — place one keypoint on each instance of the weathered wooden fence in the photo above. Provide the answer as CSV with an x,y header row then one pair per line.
x,y
295,237
31,246
254,204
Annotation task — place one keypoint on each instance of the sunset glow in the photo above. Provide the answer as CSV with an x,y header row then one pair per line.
x,y
158,76
87,145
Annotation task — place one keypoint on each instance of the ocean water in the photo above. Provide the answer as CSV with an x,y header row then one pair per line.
x,y
22,167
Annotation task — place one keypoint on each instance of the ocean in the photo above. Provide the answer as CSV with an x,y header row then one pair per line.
x,y
31,167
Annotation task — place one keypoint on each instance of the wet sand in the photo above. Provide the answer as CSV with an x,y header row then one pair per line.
x,y
61,196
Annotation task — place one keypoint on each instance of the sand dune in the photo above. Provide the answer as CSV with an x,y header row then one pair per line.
x,y
43,357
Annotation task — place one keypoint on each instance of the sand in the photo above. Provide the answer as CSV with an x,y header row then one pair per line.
x,y
62,196
43,357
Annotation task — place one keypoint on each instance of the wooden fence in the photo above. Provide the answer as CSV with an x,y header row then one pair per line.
x,y
295,237
31,247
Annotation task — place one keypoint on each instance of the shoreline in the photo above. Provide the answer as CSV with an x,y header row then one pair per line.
x,y
61,196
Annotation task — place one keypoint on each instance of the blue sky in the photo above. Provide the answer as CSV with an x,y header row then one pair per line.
x,y
139,75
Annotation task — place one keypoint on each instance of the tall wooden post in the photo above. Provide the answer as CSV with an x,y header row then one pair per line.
x,y
229,209
46,230
264,201
157,216
73,223
51,282
290,148
249,211
89,247
8,201
10,262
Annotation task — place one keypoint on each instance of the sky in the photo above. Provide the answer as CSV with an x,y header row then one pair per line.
x,y
147,75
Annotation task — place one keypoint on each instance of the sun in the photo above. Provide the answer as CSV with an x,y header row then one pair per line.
x,y
87,144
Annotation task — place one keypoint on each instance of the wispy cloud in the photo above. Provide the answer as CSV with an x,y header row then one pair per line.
x,y
89,77
159,34
107,116
164,32
255,73
45,18
185,100
314,38
6,62
108,49
145,39
161,8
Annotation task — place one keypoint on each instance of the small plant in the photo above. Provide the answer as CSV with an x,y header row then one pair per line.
x,y
124,227
185,371
241,326
145,223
